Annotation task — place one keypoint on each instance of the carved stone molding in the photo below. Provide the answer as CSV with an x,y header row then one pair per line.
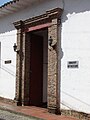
x,y
41,19
53,18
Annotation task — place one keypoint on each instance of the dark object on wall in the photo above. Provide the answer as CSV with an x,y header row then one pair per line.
x,y
8,61
73,64
15,48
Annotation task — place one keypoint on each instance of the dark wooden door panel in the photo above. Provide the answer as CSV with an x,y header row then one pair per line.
x,y
36,70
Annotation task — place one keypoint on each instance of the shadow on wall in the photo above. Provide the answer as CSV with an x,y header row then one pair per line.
x,y
69,6
74,6
6,25
38,8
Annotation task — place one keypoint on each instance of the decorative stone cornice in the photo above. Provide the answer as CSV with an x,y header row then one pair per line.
x,y
41,19
18,24
49,15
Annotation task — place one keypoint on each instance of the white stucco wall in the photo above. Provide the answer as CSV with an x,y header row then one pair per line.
x,y
7,71
75,45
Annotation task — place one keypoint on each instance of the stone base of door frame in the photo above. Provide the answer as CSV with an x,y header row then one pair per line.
x,y
22,103
76,114
54,110
7,101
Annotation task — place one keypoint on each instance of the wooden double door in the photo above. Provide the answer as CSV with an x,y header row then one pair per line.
x,y
36,70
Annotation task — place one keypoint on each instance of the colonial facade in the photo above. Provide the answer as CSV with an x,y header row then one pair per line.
x,y
44,53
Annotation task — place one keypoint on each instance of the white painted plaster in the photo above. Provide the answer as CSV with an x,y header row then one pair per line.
x,y
0,54
7,71
75,43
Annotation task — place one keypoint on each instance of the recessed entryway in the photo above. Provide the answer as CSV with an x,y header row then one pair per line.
x,y
38,67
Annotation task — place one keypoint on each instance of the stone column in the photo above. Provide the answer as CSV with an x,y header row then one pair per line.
x,y
26,69
18,96
53,103
23,66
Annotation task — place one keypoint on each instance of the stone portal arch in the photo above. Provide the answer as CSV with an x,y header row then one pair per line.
x,y
51,20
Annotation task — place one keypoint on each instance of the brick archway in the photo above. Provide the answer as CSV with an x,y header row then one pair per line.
x,y
51,20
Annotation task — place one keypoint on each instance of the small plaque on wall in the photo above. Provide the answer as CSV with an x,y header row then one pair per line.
x,y
73,64
7,61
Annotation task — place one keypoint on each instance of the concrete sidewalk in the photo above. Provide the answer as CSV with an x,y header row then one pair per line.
x,y
33,111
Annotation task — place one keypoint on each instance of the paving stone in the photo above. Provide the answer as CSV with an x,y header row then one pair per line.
x,y
5,115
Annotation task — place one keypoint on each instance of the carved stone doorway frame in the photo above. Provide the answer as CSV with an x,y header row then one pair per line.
x,y
51,20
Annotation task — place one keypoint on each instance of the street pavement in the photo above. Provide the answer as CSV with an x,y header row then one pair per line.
x,y
5,115
20,113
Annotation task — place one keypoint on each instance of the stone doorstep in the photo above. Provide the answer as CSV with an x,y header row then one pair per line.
x,y
76,114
